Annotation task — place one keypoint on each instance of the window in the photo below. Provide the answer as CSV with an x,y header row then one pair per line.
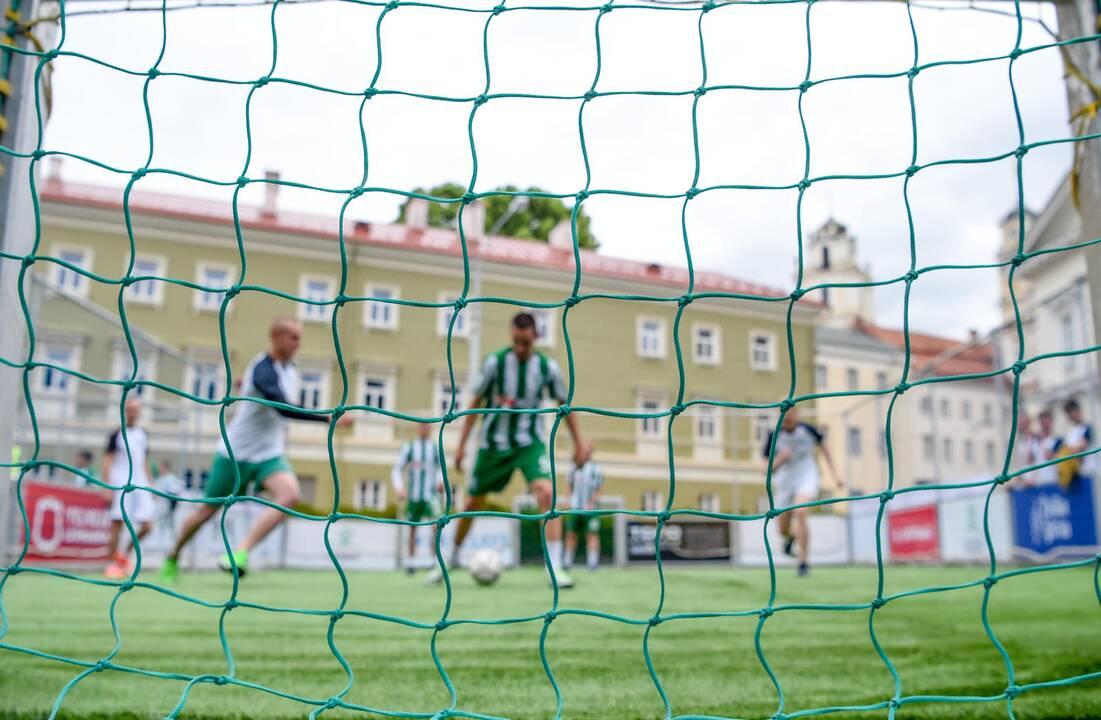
x,y
965,409
707,424
653,501
651,337
852,378
315,289
820,377
987,414
651,427
705,344
762,426
121,367
853,440
442,402
376,392
370,495
969,452
1066,324
762,351
147,292
881,380
928,447
206,380
381,315
443,324
945,407
948,450
311,389
211,276
50,380
544,325
991,454
926,405
709,502
67,280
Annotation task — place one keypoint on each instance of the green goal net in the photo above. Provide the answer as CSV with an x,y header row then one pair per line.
x,y
21,266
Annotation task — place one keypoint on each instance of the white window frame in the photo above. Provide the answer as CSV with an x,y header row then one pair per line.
x,y
716,356
702,414
928,448
821,377
203,301
388,388
969,451
653,501
965,409
852,378
651,429
443,317
441,394
546,319
361,496
43,355
322,387
156,298
80,290
315,313
391,310
120,370
854,442
193,376
657,353
949,450
991,453
710,502
762,425
769,364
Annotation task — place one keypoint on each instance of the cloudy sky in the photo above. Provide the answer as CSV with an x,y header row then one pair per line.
x,y
635,143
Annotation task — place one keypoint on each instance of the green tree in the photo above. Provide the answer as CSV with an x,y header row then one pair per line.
x,y
531,218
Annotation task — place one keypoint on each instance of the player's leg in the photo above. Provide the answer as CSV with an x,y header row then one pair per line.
x,y
806,491
220,483
116,566
412,549
783,495
592,555
474,503
535,465
285,492
801,532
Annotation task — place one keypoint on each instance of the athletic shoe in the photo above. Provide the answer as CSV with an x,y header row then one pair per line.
x,y
115,571
169,571
564,581
240,557
410,571
803,570
789,545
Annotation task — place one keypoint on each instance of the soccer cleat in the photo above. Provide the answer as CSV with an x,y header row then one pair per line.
x,y
803,570
565,582
169,571
115,571
240,558
789,545
434,577
410,570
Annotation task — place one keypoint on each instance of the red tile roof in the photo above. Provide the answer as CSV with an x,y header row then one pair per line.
x,y
431,240
952,357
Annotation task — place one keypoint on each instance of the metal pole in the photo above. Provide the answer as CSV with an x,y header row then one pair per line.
x,y
16,237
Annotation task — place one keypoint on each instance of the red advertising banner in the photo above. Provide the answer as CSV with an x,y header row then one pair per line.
x,y
67,524
913,533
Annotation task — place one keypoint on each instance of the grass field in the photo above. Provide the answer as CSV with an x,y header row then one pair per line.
x,y
1050,623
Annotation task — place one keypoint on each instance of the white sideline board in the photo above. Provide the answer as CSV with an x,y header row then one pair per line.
x,y
829,543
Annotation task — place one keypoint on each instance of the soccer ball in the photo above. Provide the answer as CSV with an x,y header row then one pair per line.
x,y
486,566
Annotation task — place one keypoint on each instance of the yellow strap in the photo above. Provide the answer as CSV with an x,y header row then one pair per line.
x,y
5,87
3,123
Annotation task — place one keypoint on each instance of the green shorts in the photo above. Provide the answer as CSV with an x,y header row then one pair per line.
x,y
221,480
581,524
493,468
417,510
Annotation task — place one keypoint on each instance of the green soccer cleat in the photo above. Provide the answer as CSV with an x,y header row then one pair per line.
x,y
240,558
170,571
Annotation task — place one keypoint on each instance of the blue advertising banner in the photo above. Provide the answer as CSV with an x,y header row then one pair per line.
x,y
1052,522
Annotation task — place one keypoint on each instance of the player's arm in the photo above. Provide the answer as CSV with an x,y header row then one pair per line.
x,y
781,457
397,470
266,381
819,442
558,391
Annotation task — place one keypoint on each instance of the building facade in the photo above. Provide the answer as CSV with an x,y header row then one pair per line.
x,y
396,356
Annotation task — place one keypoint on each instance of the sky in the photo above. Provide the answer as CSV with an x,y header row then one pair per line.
x,y
641,143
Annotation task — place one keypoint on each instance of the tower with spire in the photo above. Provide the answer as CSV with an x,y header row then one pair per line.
x,y
830,257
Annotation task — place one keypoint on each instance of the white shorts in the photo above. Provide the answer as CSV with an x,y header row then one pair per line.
x,y
141,505
792,484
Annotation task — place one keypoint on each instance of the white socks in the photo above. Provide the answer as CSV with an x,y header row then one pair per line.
x,y
554,547
592,558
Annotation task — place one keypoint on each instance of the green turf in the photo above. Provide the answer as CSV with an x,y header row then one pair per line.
x,y
1050,623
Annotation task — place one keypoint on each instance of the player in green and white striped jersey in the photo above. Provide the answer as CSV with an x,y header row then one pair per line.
x,y
586,479
418,481
516,377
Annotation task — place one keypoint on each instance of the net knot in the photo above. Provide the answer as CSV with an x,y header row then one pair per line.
x,y
1015,53
553,514
499,9
233,291
572,300
773,513
912,170
1019,367
797,293
102,665
912,73
221,680
582,196
139,173
460,303
153,72
370,92
127,281
563,410
664,516
886,496
449,417
38,154
332,703
442,625
684,300
605,8
765,612
357,191
261,82
14,570
340,300
806,85
878,603
126,586
242,181
894,703
692,192
1018,259
28,260
989,581
1012,692
901,388
392,5
786,404
590,95
700,91
468,197
1021,151
549,616
441,521
654,621
481,100
50,55
230,604
708,6
803,184
677,409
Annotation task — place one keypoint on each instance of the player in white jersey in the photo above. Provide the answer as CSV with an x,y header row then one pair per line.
x,y
418,480
516,377
257,437
796,480
586,479
125,461
1048,443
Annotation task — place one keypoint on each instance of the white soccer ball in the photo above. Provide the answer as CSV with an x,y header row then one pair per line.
x,y
486,566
